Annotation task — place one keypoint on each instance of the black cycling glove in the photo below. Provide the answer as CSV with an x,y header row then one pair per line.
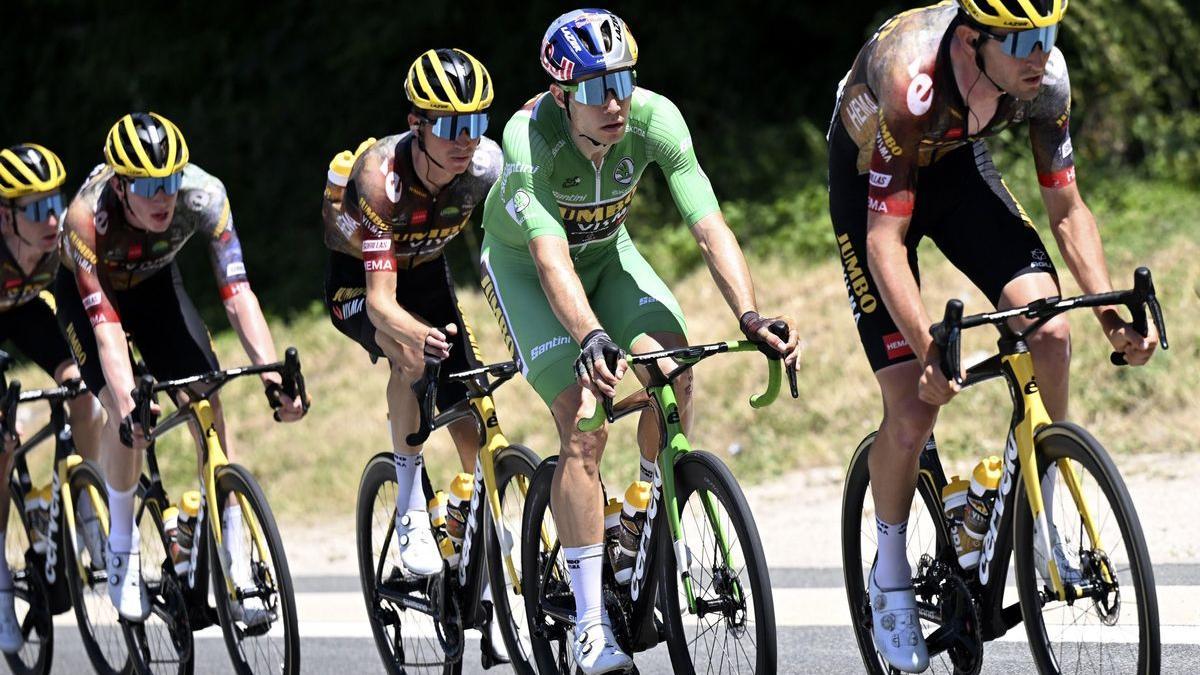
x,y
596,346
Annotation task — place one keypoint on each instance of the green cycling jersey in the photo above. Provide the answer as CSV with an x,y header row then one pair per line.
x,y
548,187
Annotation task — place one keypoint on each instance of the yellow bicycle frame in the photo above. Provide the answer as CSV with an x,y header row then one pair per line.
x,y
1036,417
214,458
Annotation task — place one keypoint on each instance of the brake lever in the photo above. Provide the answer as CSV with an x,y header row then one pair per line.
x,y
293,381
425,389
1143,297
947,335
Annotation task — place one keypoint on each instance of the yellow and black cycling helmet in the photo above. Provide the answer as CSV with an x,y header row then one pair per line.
x,y
1014,14
28,169
450,80
145,145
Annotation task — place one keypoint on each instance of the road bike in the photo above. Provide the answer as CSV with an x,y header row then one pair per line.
x,y
419,623
700,580
255,608
66,567
1101,614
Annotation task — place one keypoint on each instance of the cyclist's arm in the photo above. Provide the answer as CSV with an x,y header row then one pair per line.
x,y
112,348
564,291
891,197
229,269
363,203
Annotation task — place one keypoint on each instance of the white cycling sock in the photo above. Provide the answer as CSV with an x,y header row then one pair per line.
x,y
6,580
892,570
410,493
647,470
585,564
234,534
120,514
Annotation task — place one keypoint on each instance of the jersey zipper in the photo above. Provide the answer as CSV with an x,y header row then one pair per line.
x,y
598,170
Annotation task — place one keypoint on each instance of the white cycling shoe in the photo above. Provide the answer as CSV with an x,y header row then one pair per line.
x,y
1066,571
596,651
418,550
11,637
896,627
125,587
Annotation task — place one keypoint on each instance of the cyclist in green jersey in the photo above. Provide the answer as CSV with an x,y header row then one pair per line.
x,y
570,288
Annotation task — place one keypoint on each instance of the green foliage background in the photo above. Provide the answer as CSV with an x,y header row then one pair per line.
x,y
267,92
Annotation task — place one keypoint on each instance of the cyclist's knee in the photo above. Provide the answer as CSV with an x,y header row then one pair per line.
x,y
1052,340
908,423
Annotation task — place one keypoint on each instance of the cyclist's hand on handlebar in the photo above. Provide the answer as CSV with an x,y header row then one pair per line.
x,y
287,409
757,328
436,341
591,368
1136,347
933,387
131,434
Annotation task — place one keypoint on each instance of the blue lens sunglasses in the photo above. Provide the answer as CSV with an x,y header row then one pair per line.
x,y
148,187
594,91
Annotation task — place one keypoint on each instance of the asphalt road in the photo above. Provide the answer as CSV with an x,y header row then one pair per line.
x,y
814,636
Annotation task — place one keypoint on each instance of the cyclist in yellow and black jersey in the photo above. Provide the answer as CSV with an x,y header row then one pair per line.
x,y
31,210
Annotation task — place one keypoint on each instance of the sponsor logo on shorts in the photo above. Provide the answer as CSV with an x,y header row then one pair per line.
x,y
344,294
346,310
896,346
235,269
546,346
381,265
877,205
373,245
76,345
862,300
92,300
880,180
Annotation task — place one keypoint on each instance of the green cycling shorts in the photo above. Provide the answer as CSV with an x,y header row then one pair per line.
x,y
627,295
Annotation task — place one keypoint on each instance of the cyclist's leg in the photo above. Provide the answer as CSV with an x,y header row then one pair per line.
x,y
437,303
546,354
345,299
122,466
643,316
41,340
1002,254
1014,270
907,421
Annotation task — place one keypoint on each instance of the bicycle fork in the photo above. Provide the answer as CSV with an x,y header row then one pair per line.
x,y
215,457
1033,418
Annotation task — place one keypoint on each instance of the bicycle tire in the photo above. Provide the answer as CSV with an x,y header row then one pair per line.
x,y
36,656
513,463
550,643
1068,441
163,643
372,518
855,568
696,473
99,629
279,601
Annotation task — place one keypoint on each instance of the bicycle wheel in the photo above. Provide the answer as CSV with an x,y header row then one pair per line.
x,y
415,622
29,597
99,627
1114,627
926,536
515,466
261,631
162,644
545,582
733,629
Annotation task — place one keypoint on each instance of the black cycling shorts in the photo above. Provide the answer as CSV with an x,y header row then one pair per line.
x,y
425,291
962,205
157,315
32,328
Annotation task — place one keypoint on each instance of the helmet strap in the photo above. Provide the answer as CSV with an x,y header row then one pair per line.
x,y
595,143
982,68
